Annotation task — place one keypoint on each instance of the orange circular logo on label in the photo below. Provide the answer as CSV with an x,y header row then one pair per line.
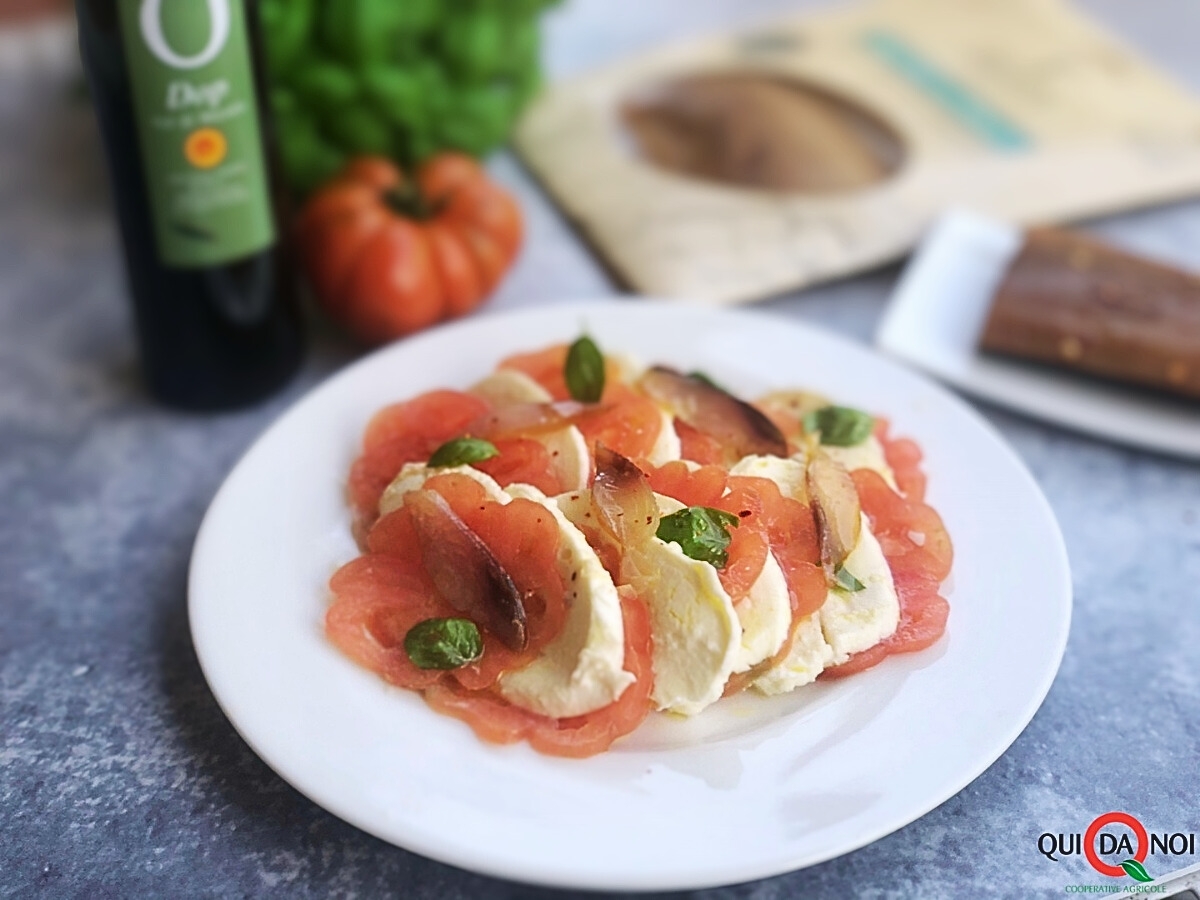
x,y
205,148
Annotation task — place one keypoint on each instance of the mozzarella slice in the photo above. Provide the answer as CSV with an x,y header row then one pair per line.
x,y
697,633
808,657
580,671
567,447
790,477
569,455
764,613
809,653
855,621
627,367
667,505
876,605
867,455
507,386
788,474
847,622
667,446
414,475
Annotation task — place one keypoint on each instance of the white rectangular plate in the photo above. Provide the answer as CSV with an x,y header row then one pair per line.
x,y
935,318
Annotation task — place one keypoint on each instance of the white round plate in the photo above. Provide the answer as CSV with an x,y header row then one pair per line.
x,y
752,787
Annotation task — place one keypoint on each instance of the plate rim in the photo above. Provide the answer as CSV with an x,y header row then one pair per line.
x,y
549,877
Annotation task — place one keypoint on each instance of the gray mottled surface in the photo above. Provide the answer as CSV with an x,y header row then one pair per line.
x,y
120,777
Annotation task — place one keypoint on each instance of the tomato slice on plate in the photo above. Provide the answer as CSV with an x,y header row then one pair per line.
x,y
496,720
918,550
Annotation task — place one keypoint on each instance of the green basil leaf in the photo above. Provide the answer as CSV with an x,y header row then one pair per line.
x,y
584,371
462,451
701,532
704,379
443,643
1136,870
839,426
847,582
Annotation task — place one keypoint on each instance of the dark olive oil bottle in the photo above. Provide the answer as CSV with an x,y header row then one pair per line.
x,y
179,93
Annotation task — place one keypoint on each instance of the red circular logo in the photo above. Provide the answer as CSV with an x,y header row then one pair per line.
x,y
1114,818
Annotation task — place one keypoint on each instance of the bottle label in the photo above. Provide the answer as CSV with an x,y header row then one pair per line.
x,y
197,121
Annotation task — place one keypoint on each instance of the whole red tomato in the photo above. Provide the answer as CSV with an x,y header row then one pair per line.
x,y
387,255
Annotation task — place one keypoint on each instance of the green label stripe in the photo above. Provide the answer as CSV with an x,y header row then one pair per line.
x,y
192,86
966,107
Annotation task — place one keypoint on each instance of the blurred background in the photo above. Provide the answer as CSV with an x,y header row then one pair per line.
x,y
55,191
120,774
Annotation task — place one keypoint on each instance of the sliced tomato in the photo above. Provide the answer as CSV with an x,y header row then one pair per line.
x,y
377,599
496,720
781,524
923,619
624,420
904,458
702,487
403,433
548,368
787,423
791,534
909,531
524,538
523,461
707,486
411,431
807,589
698,446
920,554
767,522
381,595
